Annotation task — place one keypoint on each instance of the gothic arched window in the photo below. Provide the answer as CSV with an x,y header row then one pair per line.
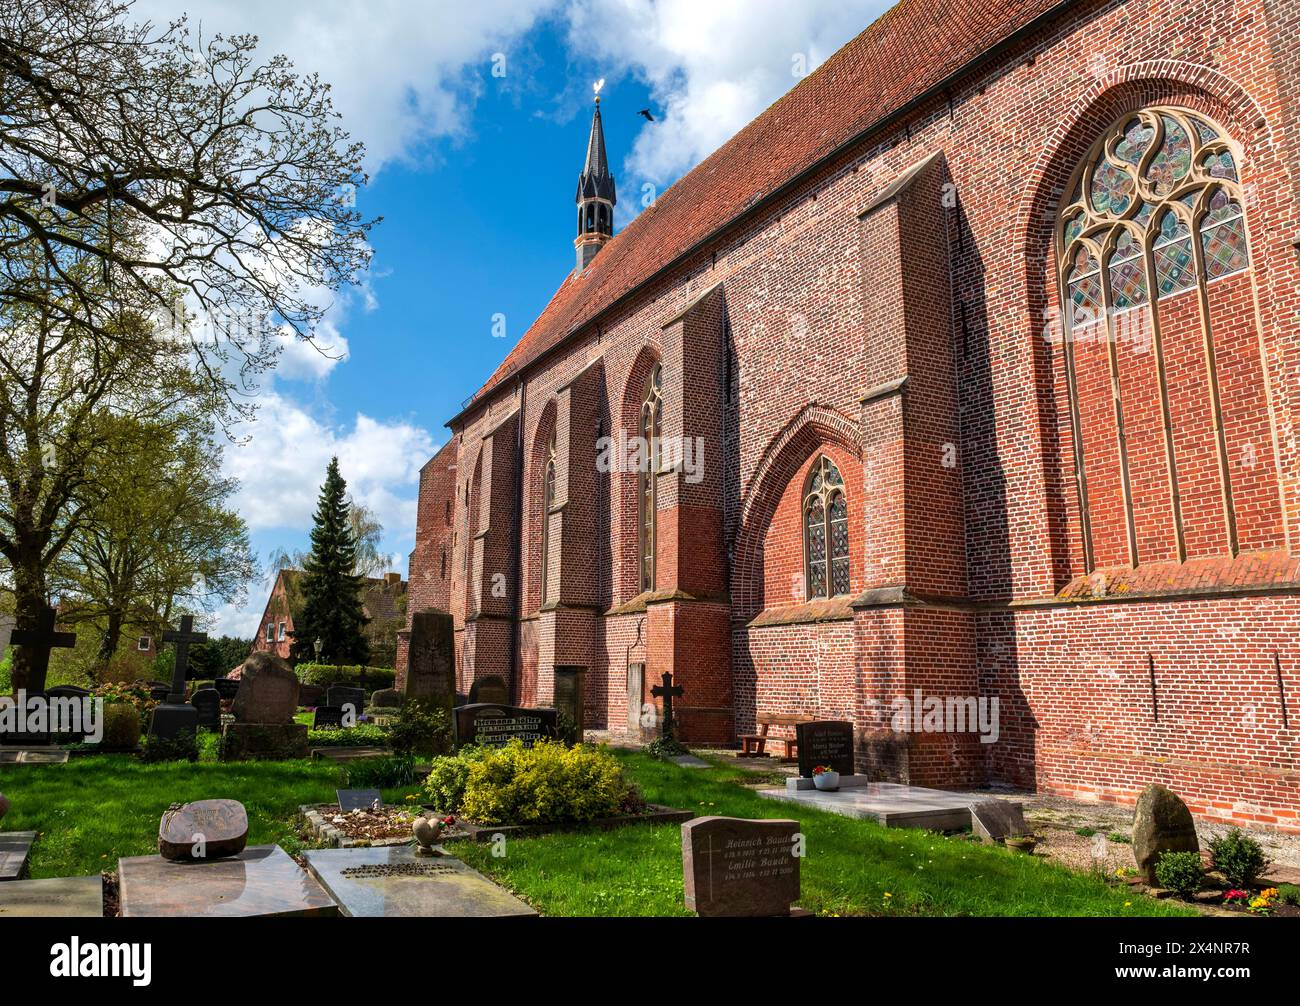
x,y
651,413
825,531
1156,180
548,500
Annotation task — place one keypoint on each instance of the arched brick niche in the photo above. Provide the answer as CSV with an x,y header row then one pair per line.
x,y
1130,405
767,566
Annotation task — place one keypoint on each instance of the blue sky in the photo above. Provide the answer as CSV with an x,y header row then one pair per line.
x,y
474,175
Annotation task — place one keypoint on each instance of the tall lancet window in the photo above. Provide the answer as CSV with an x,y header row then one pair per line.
x,y
1155,210
651,414
825,531
548,501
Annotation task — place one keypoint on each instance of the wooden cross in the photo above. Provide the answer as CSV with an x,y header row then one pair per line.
x,y
182,639
668,691
38,642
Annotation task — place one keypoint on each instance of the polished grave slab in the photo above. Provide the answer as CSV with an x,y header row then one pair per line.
x,y
33,756
15,847
393,882
892,804
262,880
56,898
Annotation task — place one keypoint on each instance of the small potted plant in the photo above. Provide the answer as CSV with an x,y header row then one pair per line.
x,y
826,779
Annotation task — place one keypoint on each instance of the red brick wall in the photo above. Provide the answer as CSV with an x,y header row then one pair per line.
x,y
948,280
431,560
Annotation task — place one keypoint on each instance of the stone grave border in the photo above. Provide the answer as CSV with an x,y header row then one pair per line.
x,y
322,828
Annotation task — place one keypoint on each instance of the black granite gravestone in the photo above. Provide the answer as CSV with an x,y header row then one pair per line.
x,y
359,799
342,695
825,742
327,718
208,702
175,716
489,725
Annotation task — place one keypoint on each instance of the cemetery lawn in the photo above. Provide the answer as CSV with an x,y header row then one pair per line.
x,y
93,810
852,867
96,809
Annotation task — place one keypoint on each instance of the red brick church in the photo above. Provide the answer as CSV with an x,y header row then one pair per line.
x,y
969,369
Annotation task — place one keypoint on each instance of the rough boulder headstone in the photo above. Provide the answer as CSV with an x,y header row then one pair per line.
x,y
1161,823
204,829
264,708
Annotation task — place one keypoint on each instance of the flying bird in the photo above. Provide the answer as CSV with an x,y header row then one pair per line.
x,y
646,113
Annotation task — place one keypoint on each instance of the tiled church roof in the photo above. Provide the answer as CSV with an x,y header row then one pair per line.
x,y
913,47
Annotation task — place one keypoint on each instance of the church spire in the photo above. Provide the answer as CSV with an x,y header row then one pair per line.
x,y
596,196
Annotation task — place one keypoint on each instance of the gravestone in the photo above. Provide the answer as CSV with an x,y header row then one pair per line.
x,y
1161,823
263,880
386,698
996,820
67,692
570,696
732,866
264,708
395,881
227,688
175,716
328,718
37,640
56,898
208,702
667,692
15,847
488,725
825,742
431,663
342,695
359,799
491,689
158,691
204,829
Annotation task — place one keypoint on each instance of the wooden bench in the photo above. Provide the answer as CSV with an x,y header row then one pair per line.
x,y
755,745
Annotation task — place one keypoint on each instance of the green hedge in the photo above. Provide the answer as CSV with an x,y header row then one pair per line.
x,y
332,674
361,735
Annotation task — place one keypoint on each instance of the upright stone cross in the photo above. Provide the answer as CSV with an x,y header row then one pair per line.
x,y
182,639
38,642
668,691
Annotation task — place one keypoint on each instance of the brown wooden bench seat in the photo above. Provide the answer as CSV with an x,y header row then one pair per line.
x,y
755,745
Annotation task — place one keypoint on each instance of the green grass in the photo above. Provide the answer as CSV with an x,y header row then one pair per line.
x,y
94,810
852,867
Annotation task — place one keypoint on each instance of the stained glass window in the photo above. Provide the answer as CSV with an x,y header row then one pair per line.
x,y
651,413
1152,183
1223,237
1085,290
826,531
1128,274
548,501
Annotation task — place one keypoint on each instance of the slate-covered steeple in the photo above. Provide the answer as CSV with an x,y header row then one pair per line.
x,y
596,196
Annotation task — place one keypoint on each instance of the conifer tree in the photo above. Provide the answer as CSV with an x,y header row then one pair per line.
x,y
331,608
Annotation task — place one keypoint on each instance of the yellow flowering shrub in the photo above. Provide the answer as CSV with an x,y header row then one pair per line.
x,y
548,783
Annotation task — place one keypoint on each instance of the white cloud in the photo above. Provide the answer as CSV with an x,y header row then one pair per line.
x,y
711,67
282,464
402,71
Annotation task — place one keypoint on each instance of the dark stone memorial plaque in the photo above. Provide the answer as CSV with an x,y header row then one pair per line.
x,y
570,688
491,689
488,725
431,664
208,702
205,829
328,718
825,742
227,688
736,867
358,799
342,695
